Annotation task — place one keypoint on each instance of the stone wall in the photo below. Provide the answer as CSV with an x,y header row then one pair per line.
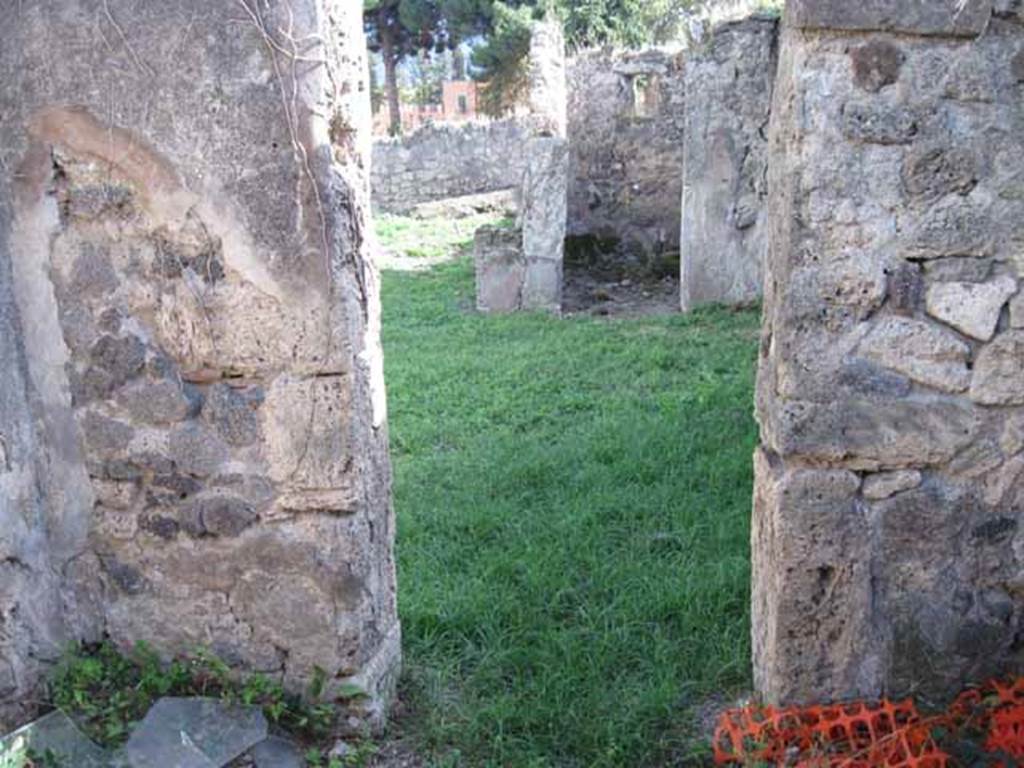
x,y
887,536
442,161
725,164
193,446
626,123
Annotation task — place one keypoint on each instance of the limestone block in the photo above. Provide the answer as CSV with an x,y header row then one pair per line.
x,y
965,18
1012,440
500,269
997,376
305,423
872,433
1017,311
920,351
885,484
971,308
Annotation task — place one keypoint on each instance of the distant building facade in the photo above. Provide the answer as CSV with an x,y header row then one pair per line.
x,y
459,99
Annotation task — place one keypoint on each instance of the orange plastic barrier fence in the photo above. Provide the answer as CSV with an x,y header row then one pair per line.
x,y
883,735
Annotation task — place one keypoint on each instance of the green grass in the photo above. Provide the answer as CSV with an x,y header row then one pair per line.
x,y
574,500
429,238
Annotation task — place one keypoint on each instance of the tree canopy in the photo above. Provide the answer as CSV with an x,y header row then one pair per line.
x,y
501,60
399,28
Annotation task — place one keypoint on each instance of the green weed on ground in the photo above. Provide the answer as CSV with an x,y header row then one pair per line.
x,y
573,499
107,692
433,238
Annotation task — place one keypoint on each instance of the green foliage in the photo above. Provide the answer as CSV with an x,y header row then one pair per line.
x,y
573,501
502,60
107,692
46,759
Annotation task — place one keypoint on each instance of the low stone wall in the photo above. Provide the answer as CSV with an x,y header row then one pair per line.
x,y
888,544
626,123
725,164
442,161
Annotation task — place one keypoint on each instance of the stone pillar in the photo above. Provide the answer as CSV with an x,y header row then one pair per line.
x,y
532,279
543,213
725,164
547,94
887,541
544,198
194,433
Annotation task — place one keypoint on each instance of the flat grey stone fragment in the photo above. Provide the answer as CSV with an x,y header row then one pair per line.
x,y
56,733
194,733
277,753
952,18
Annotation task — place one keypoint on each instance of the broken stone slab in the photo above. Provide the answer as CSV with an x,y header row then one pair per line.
x,y
971,308
949,18
194,733
277,753
920,351
56,734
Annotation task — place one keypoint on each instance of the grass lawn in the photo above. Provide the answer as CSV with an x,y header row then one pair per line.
x,y
573,500
428,238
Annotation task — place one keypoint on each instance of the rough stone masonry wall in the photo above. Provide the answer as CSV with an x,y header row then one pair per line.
x,y
725,164
888,541
193,446
625,177
441,161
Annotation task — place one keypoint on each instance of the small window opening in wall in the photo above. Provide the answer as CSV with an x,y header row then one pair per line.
x,y
645,95
463,104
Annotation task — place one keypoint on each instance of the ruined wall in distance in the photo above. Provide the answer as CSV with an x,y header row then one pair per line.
x,y
442,161
626,122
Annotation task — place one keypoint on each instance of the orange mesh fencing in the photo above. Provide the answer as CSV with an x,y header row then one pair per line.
x,y
883,735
